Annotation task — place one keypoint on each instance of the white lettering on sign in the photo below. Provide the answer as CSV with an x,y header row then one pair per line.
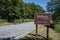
x,y
43,17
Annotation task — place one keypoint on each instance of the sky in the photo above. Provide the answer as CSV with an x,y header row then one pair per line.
x,y
42,3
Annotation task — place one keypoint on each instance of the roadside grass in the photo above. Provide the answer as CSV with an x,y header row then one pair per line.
x,y
4,22
28,20
57,28
42,34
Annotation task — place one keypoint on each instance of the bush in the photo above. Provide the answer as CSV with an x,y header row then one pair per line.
x,y
3,20
57,28
28,20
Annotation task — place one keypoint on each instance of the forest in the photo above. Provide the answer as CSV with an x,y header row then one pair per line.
x,y
17,9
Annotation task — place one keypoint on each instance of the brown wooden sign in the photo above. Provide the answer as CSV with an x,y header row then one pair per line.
x,y
42,19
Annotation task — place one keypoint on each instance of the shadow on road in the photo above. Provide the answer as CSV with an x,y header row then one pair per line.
x,y
34,37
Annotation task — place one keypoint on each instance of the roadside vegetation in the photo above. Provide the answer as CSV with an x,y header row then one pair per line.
x,y
57,28
28,20
54,7
3,22
17,9
19,21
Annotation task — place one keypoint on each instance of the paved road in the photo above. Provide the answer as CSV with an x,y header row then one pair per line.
x,y
17,31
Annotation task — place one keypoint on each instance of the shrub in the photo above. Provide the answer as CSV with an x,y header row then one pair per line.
x,y
2,20
57,28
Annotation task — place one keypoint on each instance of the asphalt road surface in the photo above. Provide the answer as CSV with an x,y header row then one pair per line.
x,y
16,31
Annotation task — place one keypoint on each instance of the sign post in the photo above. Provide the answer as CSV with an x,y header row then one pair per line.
x,y
47,33
43,19
36,31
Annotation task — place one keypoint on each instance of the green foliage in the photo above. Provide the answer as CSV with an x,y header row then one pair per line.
x,y
3,20
17,9
57,28
54,7
9,9
28,20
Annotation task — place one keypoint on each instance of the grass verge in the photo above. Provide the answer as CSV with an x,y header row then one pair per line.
x,y
28,20
57,28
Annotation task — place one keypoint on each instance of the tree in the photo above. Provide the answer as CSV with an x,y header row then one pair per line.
x,y
32,8
54,7
9,9
14,12
17,9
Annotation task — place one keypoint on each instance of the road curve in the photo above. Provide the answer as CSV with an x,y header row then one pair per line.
x,y
17,31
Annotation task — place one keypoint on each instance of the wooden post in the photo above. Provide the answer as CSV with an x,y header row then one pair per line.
x,y
47,32
36,31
